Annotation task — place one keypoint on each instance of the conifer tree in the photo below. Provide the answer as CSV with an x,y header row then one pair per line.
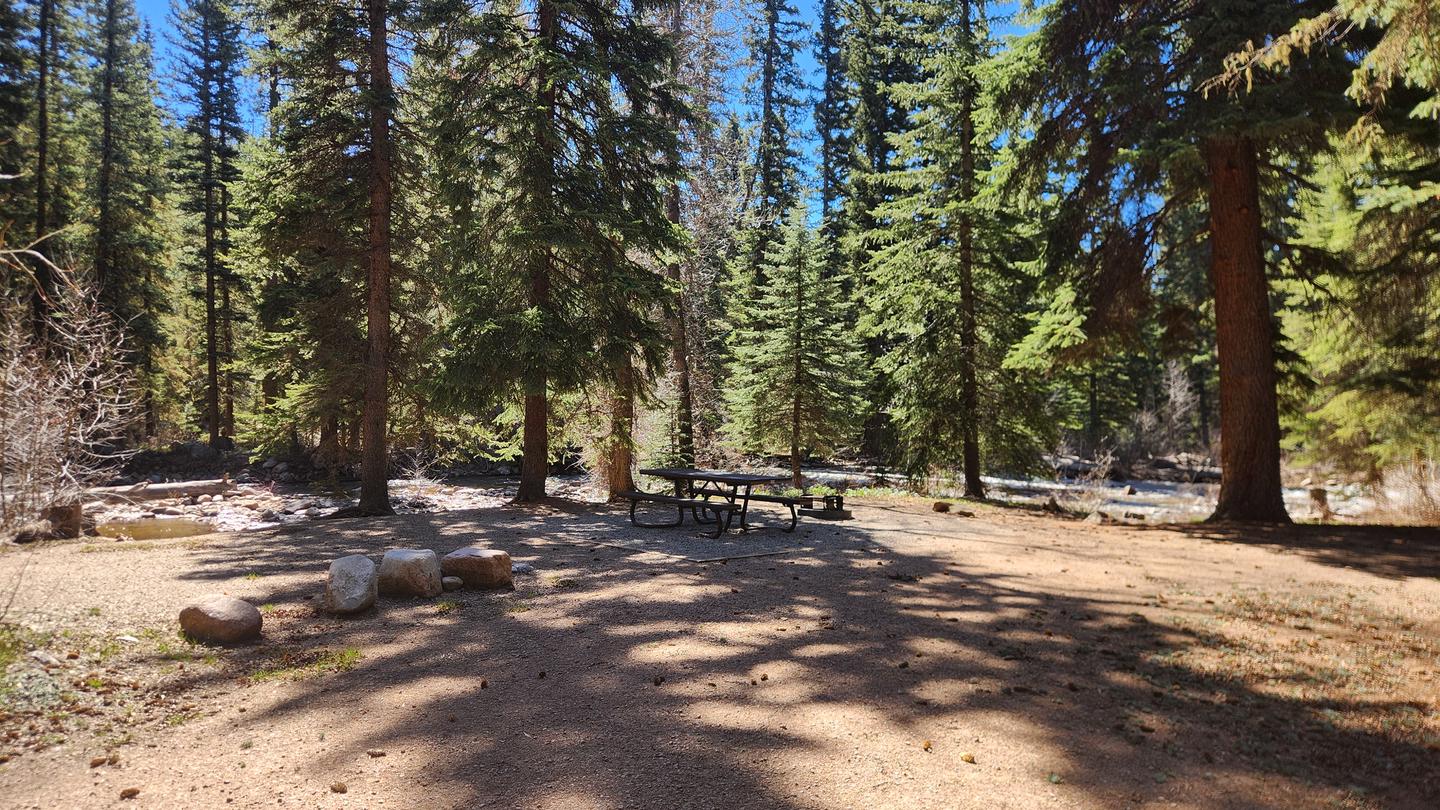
x,y
1140,122
797,372
306,189
775,91
131,190
832,121
210,39
572,141
945,288
14,108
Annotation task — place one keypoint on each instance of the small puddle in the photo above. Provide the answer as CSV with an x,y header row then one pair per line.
x,y
154,529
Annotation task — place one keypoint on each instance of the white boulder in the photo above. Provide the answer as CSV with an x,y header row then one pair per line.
x,y
410,572
352,584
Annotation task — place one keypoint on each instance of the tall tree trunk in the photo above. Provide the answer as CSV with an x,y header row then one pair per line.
x,y
679,338
45,50
1244,334
374,489
797,372
206,103
1202,405
1092,420
619,468
105,230
535,442
969,337
152,411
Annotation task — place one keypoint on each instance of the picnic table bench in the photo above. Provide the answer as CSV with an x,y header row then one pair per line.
x,y
703,492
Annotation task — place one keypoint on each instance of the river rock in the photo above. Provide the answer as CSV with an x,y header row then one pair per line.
x,y
410,572
352,584
222,619
479,567
452,583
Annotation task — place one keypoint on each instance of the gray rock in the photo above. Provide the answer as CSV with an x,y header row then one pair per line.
x,y
169,510
352,584
410,572
221,619
452,583
479,567
522,568
45,658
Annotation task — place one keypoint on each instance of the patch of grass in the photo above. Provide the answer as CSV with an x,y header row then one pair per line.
x,y
295,665
517,607
268,607
11,646
252,576
446,606
94,611
180,718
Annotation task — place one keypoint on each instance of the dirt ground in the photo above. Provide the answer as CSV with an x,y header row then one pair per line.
x,y
903,659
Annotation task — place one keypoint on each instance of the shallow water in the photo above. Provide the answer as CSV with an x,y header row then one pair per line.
x,y
154,528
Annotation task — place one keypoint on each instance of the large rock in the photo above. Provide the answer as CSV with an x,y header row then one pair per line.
x,y
479,567
410,572
352,584
221,619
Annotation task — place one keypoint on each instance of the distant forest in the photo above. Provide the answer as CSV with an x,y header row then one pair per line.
x,y
950,238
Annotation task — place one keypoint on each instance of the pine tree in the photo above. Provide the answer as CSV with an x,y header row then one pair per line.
x,y
711,201
775,92
131,190
880,53
832,120
574,148
306,190
797,372
380,105
15,93
1140,122
210,39
946,290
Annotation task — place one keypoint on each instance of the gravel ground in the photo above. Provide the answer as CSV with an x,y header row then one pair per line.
x,y
904,659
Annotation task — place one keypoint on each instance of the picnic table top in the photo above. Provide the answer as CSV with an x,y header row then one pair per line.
x,y
717,476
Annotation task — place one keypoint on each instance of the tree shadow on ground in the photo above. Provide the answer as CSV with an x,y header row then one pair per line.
x,y
736,684
1392,552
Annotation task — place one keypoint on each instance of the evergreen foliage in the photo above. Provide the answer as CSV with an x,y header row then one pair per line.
x,y
567,130
797,372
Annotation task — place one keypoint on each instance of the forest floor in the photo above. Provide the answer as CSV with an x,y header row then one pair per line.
x,y
905,659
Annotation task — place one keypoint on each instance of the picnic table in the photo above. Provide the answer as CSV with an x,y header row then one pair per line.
x,y
695,488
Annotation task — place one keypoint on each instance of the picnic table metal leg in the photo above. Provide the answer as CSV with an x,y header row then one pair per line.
x,y
744,508
635,521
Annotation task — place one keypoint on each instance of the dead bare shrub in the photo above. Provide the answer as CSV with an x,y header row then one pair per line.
x,y
1408,495
66,398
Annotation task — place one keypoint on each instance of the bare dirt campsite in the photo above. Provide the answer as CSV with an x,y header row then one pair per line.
x,y
906,658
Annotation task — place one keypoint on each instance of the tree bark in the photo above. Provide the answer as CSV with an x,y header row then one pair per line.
x,y
535,463
206,103
969,337
619,475
1244,335
679,345
374,462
